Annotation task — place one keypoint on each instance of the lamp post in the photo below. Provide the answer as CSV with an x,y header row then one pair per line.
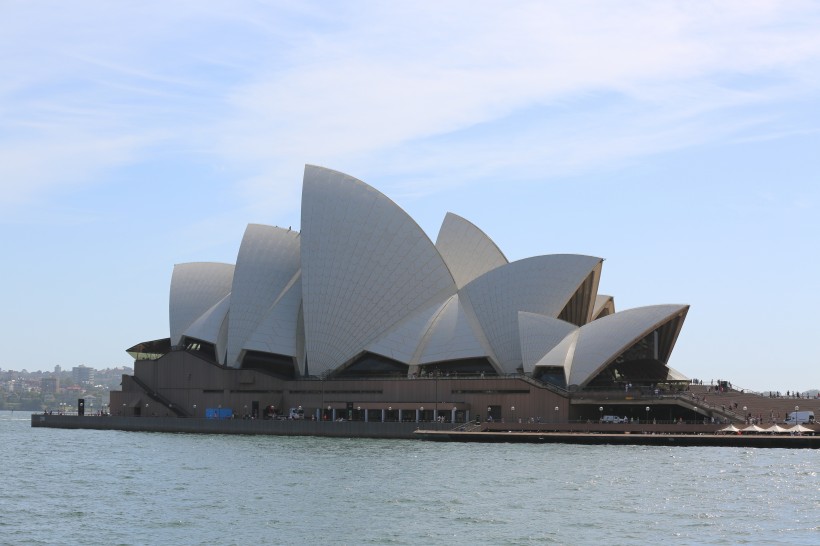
x,y
435,400
146,409
489,409
600,413
421,414
359,413
194,410
796,409
512,410
745,418
647,414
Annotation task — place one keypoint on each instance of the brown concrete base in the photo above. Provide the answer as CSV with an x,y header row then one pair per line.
x,y
418,431
342,429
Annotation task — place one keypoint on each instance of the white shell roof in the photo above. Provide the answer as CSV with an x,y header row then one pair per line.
x,y
363,276
195,288
604,305
267,262
366,265
675,375
212,326
402,342
539,335
467,250
453,335
602,340
561,356
541,285
437,333
277,331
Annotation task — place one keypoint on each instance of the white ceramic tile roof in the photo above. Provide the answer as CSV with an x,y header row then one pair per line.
x,y
467,250
267,262
602,340
604,305
561,355
366,265
277,331
675,375
212,326
195,288
453,335
541,285
362,276
403,340
539,335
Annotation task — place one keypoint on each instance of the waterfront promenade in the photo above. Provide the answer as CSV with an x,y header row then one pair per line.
x,y
575,433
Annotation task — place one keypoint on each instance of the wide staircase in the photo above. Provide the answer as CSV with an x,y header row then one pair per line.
x,y
763,408
157,397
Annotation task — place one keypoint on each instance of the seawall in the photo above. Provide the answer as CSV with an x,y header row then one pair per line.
x,y
692,440
343,429
423,431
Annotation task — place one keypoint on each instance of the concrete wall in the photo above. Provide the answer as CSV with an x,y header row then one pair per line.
x,y
345,429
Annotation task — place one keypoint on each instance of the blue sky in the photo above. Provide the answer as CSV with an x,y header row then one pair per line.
x,y
679,141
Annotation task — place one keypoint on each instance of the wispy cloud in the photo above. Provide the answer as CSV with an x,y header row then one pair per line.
x,y
388,88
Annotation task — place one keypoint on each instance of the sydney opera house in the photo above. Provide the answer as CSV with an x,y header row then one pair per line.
x,y
361,316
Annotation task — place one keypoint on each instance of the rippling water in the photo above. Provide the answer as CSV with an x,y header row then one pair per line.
x,y
109,487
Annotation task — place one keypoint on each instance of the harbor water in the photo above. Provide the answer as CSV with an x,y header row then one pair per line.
x,y
110,487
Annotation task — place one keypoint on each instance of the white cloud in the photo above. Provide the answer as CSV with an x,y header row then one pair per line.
x,y
386,80
266,88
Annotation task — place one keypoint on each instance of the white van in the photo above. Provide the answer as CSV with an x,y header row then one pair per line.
x,y
800,418
614,419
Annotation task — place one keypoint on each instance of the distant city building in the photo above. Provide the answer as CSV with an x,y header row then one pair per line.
x,y
58,369
82,374
50,385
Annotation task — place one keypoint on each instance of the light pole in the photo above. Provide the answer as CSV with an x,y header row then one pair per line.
x,y
435,400
146,409
489,409
745,418
421,414
557,415
796,409
647,414
359,413
194,410
600,414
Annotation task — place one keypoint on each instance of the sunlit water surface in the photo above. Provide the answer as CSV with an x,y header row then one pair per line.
x,y
108,487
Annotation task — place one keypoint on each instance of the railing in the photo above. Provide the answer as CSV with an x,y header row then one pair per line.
x,y
469,427
159,398
727,413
